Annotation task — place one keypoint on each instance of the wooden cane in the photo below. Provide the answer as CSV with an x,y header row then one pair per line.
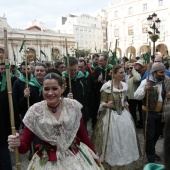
x,y
26,73
108,128
107,63
146,117
68,67
10,100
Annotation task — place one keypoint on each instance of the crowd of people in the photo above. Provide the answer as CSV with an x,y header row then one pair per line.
x,y
62,100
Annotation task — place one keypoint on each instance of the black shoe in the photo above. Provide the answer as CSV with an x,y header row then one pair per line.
x,y
157,158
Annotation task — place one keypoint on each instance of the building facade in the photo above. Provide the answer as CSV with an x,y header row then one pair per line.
x,y
127,22
87,30
36,39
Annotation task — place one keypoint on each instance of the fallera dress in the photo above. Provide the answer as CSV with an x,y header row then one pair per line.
x,y
61,149
122,149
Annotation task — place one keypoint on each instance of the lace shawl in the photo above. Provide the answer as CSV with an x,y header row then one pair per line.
x,y
106,88
60,132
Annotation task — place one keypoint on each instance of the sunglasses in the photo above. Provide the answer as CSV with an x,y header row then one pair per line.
x,y
130,68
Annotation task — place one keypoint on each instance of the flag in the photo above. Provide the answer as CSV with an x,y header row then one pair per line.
x,y
125,59
52,53
14,53
146,57
41,52
113,59
22,45
96,49
130,57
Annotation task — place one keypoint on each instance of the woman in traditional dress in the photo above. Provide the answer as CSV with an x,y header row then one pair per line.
x,y
58,123
117,145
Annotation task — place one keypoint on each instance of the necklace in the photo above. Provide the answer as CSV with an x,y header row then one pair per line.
x,y
54,109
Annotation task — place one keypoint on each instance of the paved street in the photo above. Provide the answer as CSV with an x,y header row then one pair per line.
x,y
159,149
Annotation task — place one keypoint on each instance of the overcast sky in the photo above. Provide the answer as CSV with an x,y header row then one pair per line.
x,y
20,12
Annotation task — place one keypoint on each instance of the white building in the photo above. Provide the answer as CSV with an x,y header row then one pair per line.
x,y
37,38
102,16
127,22
86,29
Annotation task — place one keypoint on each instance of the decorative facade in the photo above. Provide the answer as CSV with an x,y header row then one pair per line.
x,y
36,39
127,22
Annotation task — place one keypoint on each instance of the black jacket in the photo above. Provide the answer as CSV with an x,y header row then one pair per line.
x,y
80,92
5,125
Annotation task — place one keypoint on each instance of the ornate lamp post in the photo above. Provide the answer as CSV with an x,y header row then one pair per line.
x,y
154,24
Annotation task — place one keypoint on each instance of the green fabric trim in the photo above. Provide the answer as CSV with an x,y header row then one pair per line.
x,y
79,75
153,166
82,87
3,83
7,67
17,73
109,66
83,153
35,83
23,78
86,74
91,65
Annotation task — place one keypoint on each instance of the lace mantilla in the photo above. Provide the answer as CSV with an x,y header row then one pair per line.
x,y
60,132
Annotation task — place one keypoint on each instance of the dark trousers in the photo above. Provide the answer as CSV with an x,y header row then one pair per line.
x,y
5,159
95,109
133,104
139,105
152,134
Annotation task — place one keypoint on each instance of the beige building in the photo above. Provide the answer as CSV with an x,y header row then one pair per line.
x,y
127,22
87,30
37,39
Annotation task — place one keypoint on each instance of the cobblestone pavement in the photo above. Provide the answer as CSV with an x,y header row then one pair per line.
x,y
159,150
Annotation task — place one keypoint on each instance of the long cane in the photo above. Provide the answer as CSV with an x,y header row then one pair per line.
x,y
26,77
108,129
11,109
68,67
146,118
107,63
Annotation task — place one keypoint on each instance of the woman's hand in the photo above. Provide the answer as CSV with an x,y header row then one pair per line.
x,y
27,92
98,162
13,141
108,105
70,95
167,95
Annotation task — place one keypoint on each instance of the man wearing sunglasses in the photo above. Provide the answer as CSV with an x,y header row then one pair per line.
x,y
133,81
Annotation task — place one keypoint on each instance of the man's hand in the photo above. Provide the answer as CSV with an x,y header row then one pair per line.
x,y
168,95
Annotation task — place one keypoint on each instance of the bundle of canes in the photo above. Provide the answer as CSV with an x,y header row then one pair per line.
x,y
107,62
146,117
9,88
68,67
108,128
27,86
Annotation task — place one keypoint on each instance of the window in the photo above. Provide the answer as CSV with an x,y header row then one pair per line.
x,y
116,32
130,10
130,30
144,28
144,7
115,14
160,2
2,51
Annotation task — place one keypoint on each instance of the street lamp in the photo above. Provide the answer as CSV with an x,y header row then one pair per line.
x,y
154,24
